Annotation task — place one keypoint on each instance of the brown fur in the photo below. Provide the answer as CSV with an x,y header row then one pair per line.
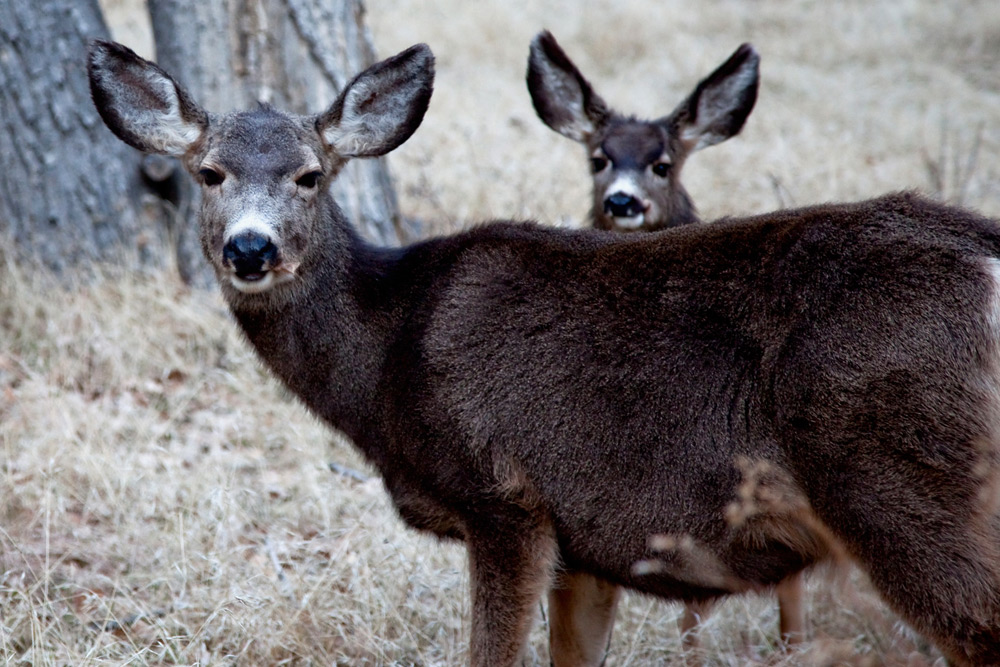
x,y
618,380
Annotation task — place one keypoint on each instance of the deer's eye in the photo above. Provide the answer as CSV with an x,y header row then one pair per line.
x,y
211,177
661,169
598,164
309,180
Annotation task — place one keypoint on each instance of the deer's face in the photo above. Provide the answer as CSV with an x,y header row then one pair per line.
x,y
636,164
636,168
262,174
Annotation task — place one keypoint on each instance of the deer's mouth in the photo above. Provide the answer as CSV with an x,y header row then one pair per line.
x,y
252,282
255,282
253,262
253,277
625,207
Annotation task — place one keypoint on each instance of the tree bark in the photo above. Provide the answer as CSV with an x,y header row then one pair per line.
x,y
70,192
294,54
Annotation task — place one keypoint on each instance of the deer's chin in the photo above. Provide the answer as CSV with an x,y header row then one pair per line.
x,y
260,282
630,222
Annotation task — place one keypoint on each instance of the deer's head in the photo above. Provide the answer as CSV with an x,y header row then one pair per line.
x,y
264,173
636,164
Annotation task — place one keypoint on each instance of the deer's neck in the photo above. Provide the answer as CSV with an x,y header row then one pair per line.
x,y
326,337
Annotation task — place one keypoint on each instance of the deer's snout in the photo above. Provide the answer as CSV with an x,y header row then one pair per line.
x,y
251,255
623,205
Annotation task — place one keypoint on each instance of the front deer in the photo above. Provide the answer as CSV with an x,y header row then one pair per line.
x,y
602,401
637,164
636,169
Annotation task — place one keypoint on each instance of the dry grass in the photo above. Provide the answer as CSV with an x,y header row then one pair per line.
x,y
165,502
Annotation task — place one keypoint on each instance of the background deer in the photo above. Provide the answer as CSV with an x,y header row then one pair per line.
x,y
636,168
636,164
629,406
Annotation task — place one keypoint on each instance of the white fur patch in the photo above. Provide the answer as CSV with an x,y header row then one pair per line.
x,y
270,280
563,87
165,131
992,266
993,312
630,222
347,136
715,102
360,134
253,286
251,221
988,469
626,184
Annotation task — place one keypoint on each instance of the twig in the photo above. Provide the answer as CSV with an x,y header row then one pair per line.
x,y
350,473
117,626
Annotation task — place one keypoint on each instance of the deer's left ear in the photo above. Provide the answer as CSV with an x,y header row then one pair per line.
x,y
141,103
721,103
381,107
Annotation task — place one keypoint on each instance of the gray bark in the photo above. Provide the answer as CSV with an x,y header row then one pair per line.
x,y
70,192
294,54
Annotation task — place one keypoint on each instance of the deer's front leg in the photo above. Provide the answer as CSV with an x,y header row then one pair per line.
x,y
510,565
581,617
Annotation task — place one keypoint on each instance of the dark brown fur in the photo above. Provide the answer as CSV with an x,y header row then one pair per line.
x,y
544,394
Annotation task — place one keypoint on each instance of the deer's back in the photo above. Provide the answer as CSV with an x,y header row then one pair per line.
x,y
627,384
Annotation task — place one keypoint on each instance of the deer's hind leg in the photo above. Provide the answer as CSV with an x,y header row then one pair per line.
x,y
581,617
694,613
934,556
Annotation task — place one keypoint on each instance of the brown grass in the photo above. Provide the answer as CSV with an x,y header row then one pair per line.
x,y
165,502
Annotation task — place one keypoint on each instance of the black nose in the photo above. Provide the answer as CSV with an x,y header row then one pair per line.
x,y
249,252
622,205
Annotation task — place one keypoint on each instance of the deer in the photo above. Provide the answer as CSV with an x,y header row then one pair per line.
x,y
689,414
636,168
636,164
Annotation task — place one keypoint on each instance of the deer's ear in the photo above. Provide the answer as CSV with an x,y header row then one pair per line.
x,y
721,103
141,103
563,98
381,107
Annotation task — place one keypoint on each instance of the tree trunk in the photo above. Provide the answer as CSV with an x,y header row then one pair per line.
x,y
294,54
70,192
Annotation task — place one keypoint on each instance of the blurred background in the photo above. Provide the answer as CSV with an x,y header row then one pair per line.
x,y
857,98
163,501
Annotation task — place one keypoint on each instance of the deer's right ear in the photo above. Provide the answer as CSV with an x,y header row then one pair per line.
x,y
141,103
563,98
381,107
